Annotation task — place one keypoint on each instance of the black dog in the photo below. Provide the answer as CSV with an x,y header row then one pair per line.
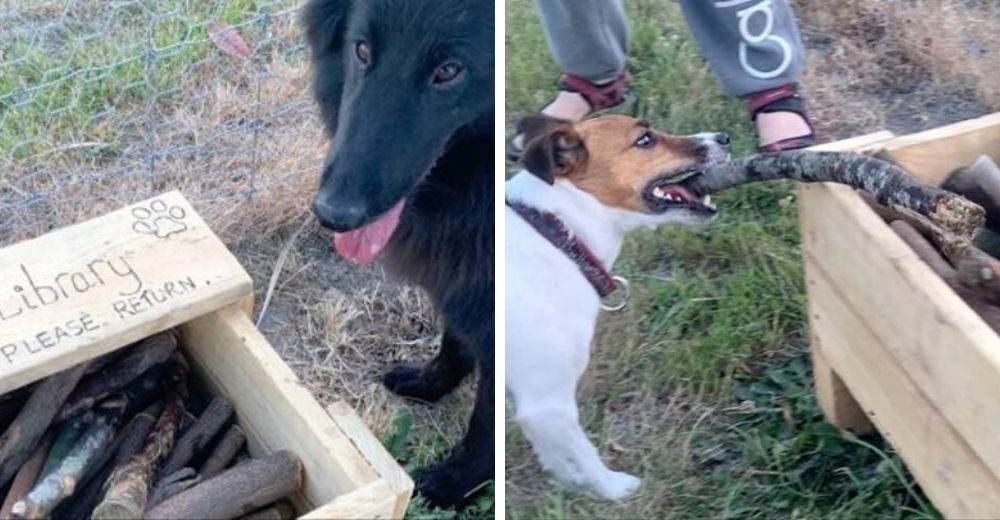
x,y
405,89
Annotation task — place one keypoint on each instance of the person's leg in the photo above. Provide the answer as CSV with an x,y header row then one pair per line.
x,y
588,39
753,47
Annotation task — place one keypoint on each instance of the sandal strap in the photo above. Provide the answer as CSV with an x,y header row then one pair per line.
x,y
792,143
599,97
760,101
785,98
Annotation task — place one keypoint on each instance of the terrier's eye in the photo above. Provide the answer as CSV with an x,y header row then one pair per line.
x,y
363,53
645,140
447,72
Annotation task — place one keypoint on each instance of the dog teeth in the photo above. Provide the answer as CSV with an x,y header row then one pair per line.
x,y
668,196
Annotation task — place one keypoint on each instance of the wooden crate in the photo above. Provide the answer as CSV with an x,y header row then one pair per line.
x,y
91,288
893,346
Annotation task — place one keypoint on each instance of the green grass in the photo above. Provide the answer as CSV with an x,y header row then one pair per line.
x,y
419,449
81,84
703,386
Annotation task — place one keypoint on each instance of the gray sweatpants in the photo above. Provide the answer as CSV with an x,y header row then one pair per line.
x,y
750,45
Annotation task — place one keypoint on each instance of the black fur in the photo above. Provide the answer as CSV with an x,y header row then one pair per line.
x,y
397,134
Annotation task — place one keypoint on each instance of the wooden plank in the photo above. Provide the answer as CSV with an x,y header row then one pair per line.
x,y
950,353
375,500
948,470
861,143
933,154
273,407
838,405
380,459
87,289
835,399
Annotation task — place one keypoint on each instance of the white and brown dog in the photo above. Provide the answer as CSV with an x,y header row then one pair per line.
x,y
584,188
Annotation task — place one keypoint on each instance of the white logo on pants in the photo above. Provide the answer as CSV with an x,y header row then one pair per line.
x,y
749,38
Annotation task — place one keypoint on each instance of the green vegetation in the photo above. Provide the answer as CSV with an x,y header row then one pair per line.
x,y
702,387
79,79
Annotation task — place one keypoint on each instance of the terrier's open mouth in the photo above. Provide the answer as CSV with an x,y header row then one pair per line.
x,y
666,193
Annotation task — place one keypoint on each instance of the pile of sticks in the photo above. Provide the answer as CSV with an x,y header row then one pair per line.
x,y
969,263
115,438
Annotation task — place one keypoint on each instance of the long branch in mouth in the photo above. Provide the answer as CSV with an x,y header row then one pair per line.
x,y
890,184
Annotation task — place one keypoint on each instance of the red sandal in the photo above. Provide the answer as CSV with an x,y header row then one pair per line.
x,y
599,97
785,98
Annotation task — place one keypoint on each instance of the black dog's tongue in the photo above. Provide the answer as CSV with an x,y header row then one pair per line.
x,y
364,244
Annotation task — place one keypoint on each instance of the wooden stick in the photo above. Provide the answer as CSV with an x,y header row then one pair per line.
x,y
66,438
62,481
979,183
209,423
925,250
27,475
10,407
236,491
130,483
20,439
223,453
891,185
277,511
169,486
975,268
132,439
148,353
988,311
988,241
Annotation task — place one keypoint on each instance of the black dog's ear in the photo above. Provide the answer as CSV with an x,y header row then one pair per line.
x,y
325,22
552,147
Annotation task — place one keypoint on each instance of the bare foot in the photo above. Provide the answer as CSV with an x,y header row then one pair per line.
x,y
567,105
778,126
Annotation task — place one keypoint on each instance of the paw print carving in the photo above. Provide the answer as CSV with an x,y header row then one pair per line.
x,y
159,219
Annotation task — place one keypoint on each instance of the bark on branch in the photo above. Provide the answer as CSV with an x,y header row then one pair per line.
x,y
238,491
151,351
199,435
131,439
129,484
61,482
975,268
26,476
891,185
34,418
223,453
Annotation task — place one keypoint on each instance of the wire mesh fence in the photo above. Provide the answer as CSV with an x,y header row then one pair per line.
x,y
104,103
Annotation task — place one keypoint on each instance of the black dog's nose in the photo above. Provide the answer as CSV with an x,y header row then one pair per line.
x,y
340,217
721,138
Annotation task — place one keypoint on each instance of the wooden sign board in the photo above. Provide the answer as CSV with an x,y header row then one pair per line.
x,y
91,288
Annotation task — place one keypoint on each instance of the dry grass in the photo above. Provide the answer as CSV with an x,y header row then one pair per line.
x,y
243,143
902,64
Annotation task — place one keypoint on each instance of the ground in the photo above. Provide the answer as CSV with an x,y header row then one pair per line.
x,y
703,385
103,104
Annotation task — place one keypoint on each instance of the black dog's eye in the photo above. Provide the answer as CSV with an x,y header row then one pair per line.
x,y
363,52
447,73
645,140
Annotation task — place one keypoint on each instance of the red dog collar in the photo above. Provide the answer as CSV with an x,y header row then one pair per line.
x,y
555,231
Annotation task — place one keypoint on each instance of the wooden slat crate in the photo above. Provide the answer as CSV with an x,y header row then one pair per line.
x,y
893,346
88,289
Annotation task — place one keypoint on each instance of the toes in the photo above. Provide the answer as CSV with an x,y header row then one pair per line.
x,y
619,486
442,487
410,381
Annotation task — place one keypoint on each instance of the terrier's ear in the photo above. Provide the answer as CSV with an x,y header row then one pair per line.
x,y
552,147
